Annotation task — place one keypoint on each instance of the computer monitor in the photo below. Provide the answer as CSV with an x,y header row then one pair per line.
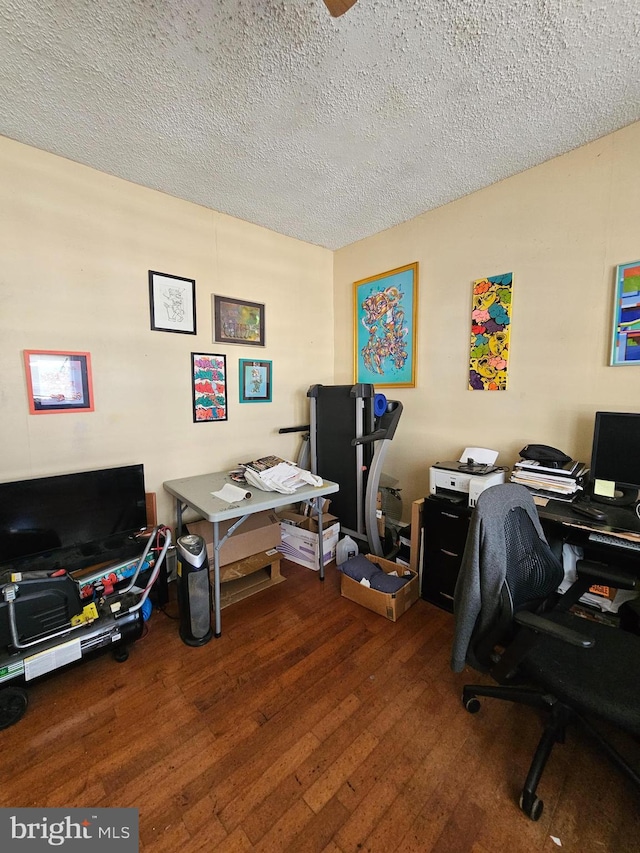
x,y
615,457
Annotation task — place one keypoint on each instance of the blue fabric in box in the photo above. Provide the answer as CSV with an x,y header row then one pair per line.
x,y
359,567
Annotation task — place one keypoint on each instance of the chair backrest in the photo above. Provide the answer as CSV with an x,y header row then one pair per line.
x,y
533,571
524,572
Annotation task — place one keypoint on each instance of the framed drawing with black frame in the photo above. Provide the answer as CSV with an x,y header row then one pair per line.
x,y
58,381
385,315
172,301
236,321
255,381
209,387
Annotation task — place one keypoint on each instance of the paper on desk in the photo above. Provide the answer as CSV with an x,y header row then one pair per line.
x,y
231,494
480,455
283,477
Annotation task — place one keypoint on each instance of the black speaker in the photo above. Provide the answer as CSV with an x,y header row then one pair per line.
x,y
194,590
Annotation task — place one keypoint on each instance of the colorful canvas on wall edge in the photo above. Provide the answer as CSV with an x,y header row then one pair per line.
x,y
490,322
625,346
385,316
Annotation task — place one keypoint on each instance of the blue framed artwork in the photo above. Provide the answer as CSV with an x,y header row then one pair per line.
x,y
625,346
255,381
385,315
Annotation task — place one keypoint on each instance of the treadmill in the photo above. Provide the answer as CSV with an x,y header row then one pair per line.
x,y
350,430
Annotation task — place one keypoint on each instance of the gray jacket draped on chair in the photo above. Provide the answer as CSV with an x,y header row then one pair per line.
x,y
479,592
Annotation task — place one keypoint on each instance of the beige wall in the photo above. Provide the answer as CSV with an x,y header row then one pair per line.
x,y
76,247
560,228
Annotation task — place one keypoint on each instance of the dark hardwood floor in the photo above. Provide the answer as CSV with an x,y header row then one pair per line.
x,y
313,725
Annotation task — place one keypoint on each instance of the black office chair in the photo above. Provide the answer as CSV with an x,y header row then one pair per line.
x,y
541,654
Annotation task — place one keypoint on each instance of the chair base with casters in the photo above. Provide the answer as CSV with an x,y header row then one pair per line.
x,y
542,655
559,716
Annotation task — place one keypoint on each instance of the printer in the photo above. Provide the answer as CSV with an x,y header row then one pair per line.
x,y
465,480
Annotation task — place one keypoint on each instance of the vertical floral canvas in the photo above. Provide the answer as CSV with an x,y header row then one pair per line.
x,y
209,387
490,321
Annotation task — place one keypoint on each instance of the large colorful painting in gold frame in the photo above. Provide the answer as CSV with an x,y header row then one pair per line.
x,y
490,325
385,316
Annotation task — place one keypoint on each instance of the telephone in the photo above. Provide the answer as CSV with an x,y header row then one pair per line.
x,y
550,456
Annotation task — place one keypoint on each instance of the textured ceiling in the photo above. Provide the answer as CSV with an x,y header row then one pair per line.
x,y
326,129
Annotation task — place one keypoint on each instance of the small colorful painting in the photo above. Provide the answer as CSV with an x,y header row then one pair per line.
x,y
385,315
625,347
490,320
236,321
209,387
255,381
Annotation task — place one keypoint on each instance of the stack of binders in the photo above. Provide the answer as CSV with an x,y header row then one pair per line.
x,y
563,483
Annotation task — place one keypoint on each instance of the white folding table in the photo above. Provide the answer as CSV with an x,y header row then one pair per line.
x,y
196,493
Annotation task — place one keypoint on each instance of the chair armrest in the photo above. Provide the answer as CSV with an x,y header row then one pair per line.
x,y
609,575
551,629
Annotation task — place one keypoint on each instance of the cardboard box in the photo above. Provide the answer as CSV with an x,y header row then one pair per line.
x,y
246,577
259,532
241,588
389,605
299,535
380,516
417,532
249,565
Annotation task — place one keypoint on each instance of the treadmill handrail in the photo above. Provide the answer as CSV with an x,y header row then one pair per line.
x,y
369,439
391,416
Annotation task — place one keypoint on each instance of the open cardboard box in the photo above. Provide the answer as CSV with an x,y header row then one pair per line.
x,y
389,605
299,534
259,532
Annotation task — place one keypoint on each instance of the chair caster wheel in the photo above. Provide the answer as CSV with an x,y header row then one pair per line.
x,y
472,705
13,704
533,807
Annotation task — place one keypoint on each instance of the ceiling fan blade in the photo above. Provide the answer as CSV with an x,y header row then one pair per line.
x,y
339,7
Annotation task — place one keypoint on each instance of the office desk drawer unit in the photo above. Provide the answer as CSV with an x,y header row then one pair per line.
x,y
445,532
446,524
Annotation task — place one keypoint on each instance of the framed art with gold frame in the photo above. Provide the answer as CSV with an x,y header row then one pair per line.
x,y
385,330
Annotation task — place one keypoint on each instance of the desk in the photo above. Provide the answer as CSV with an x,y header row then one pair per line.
x,y
561,523
446,525
620,519
196,493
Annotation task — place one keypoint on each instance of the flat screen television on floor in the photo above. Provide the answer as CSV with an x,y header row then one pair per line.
x,y
71,516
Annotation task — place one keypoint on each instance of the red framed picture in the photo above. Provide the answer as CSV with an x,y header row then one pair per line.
x,y
58,381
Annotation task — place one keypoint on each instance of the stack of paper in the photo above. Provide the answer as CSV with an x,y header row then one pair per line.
x,y
272,474
560,484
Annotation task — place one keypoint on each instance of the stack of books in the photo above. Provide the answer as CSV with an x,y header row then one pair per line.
x,y
563,483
